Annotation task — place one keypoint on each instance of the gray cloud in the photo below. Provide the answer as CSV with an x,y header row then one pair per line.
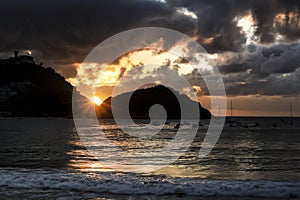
x,y
287,85
233,68
264,60
287,62
266,71
61,33
215,19
64,32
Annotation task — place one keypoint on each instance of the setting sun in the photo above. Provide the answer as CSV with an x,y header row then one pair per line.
x,y
96,100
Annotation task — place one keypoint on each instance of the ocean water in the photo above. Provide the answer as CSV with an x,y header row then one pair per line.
x,y
43,158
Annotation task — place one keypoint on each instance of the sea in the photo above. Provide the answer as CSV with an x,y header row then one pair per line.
x,y
44,158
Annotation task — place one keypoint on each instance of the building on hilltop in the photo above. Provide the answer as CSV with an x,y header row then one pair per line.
x,y
17,59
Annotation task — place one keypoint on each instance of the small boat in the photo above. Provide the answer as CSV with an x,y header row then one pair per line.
x,y
250,124
285,123
235,124
231,121
291,119
275,126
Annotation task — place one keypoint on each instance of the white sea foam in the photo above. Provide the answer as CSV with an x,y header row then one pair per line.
x,y
132,184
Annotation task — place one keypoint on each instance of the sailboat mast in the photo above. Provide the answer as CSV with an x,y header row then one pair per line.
x,y
231,108
291,110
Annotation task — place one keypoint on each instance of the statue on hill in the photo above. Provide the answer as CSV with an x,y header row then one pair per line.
x,y
17,59
16,54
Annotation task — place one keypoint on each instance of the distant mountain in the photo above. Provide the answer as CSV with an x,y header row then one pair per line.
x,y
141,101
28,89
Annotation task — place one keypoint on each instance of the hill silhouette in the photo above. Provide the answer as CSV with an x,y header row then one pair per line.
x,y
28,89
141,101
31,90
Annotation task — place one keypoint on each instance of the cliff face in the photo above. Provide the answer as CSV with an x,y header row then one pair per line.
x,y
142,100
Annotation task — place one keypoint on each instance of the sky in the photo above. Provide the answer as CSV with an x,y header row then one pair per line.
x,y
254,43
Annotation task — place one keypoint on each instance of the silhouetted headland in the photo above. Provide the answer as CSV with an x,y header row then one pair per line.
x,y
30,90
142,100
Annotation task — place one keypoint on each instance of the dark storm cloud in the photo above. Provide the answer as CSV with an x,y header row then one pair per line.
x,y
61,33
287,62
287,85
266,71
215,19
265,12
265,61
258,70
273,51
291,26
233,68
64,32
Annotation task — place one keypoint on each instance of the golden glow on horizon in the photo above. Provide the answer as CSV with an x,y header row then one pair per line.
x,y
255,105
96,100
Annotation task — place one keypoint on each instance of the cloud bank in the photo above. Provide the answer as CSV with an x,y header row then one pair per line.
x,y
62,33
